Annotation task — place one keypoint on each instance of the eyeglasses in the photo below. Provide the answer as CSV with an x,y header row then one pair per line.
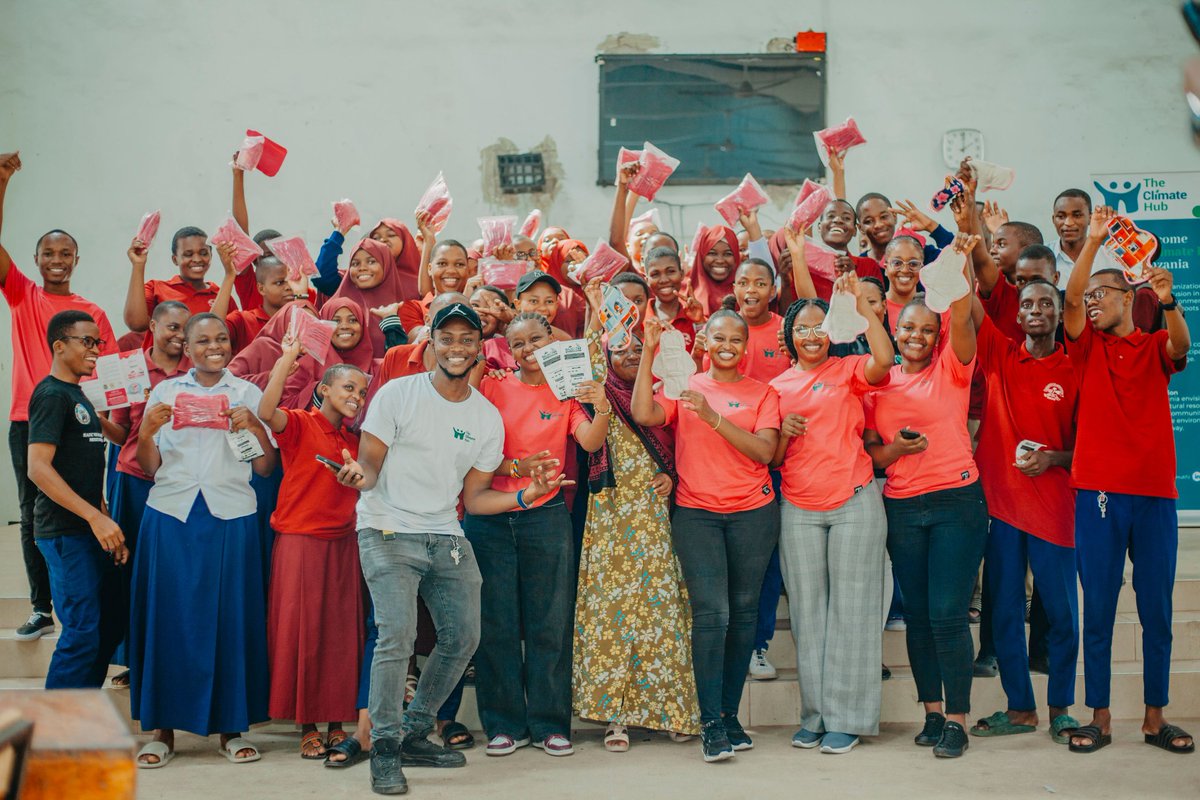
x,y
88,341
1099,292
525,255
913,266
805,331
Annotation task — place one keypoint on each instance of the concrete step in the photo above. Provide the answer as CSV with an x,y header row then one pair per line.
x,y
14,611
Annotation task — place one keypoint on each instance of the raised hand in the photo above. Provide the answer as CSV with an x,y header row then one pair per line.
x,y
1162,282
10,163
227,253
390,310
594,292
994,216
1098,224
592,393
652,331
697,403
137,253
915,219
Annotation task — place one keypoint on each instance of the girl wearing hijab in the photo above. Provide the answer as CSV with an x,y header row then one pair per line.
x,y
372,282
391,232
350,345
714,264
255,362
571,302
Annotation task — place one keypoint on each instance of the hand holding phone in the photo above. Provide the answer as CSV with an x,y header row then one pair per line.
x,y
329,462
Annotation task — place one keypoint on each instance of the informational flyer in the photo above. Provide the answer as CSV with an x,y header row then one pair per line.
x,y
566,365
1167,204
121,380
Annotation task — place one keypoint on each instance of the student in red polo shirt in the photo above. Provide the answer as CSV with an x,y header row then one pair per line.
x,y
664,273
1124,474
274,291
192,255
32,306
1032,391
314,607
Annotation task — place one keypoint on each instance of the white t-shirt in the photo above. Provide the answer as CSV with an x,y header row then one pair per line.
x,y
1064,263
432,444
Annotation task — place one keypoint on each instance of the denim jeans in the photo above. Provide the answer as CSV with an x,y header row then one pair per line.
x,y
396,570
526,559
35,562
936,541
724,558
87,590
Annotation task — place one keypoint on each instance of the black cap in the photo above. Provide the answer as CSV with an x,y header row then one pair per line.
x,y
456,311
537,276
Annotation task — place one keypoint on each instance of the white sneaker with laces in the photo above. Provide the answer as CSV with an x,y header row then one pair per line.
x,y
760,668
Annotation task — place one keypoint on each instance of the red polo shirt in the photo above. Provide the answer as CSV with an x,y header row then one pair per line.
x,y
1028,398
863,268
244,326
130,418
681,323
1126,442
1002,305
403,360
412,312
198,301
311,501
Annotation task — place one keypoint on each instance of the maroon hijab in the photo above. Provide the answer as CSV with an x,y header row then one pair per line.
x,y
408,263
255,362
387,292
299,388
704,288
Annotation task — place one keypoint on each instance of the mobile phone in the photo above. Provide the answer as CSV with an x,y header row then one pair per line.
x,y
329,462
1026,446
907,434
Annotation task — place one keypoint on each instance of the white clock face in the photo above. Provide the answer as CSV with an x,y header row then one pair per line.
x,y
959,143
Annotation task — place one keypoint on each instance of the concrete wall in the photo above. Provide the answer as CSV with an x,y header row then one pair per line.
x,y
122,107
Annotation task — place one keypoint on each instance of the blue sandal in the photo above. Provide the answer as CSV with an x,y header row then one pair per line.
x,y
348,747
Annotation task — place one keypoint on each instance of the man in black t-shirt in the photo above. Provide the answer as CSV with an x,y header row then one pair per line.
x,y
82,546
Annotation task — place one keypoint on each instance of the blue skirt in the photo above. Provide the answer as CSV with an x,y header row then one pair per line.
x,y
127,503
198,627
266,492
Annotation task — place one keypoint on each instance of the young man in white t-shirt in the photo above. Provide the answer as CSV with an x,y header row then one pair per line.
x,y
448,440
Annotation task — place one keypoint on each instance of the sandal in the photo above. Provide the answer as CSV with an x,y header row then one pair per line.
x,y
616,739
236,745
999,724
1062,728
1166,736
456,736
309,745
1096,739
410,687
974,614
120,680
680,737
336,737
348,747
157,749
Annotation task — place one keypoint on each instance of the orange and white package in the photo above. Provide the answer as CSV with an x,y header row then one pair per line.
x,y
148,228
250,153
532,224
200,411
314,335
1131,247
820,258
748,196
502,274
246,250
604,262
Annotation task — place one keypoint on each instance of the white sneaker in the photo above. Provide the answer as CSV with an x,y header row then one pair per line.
x,y
760,668
895,624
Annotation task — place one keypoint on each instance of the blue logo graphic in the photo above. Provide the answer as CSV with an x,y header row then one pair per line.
x,y
1113,196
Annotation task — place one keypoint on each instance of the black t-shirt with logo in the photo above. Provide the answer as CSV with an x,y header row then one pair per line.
x,y
60,414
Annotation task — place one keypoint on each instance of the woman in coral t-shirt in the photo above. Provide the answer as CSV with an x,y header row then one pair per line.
x,y
726,521
833,530
937,516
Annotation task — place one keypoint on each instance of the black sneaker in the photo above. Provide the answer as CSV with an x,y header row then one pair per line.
x,y
735,733
38,625
931,734
886,673
714,742
386,775
953,742
418,751
985,667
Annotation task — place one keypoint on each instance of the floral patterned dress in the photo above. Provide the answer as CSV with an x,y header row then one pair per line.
x,y
632,654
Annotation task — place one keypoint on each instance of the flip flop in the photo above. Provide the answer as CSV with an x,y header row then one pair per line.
x,y
1166,736
349,747
234,746
1062,727
616,739
157,749
457,729
1096,739
999,724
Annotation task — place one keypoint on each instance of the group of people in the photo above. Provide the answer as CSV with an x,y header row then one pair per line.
x,y
280,526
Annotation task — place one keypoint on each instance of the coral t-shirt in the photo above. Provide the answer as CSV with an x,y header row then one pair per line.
x,y
32,307
534,420
713,475
933,402
311,501
824,468
765,357
1028,398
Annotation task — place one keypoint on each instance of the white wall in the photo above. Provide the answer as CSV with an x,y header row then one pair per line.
x,y
121,107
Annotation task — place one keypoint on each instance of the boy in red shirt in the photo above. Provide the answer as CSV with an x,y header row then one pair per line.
x,y
32,306
1031,397
1124,474
191,253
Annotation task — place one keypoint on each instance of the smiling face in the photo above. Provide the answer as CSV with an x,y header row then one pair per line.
x,y
812,349
387,236
456,347
75,355
625,362
193,257
837,224
1070,219
551,237
208,346
902,262
754,288
665,278
1038,309
636,240
539,299
1106,301
726,341
875,298
916,334
485,301
449,269
56,259
876,221
524,249
349,330
167,330
345,393
365,271
525,338
719,260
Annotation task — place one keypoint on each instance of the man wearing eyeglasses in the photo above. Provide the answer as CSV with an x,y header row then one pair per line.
x,y
32,306
80,542
1124,474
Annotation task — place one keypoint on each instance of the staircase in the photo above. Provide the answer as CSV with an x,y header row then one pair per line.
x,y
23,664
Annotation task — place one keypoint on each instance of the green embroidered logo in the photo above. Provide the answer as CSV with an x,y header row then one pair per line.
x,y
462,435
768,353
734,404
546,416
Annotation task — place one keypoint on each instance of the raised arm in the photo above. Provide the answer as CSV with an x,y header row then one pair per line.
x,y
837,173
966,218
137,314
1074,313
883,352
800,274
647,411
618,225
428,241
1179,338
9,164
962,329
241,214
268,407
226,252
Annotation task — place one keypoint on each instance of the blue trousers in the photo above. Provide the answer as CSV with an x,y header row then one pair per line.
x,y
1008,551
772,587
1148,528
86,587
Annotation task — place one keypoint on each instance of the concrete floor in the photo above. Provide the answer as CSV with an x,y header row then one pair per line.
x,y
889,766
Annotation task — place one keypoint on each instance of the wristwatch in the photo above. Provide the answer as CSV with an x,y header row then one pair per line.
x,y
1171,306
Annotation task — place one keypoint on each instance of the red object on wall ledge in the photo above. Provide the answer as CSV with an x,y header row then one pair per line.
x,y
810,42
